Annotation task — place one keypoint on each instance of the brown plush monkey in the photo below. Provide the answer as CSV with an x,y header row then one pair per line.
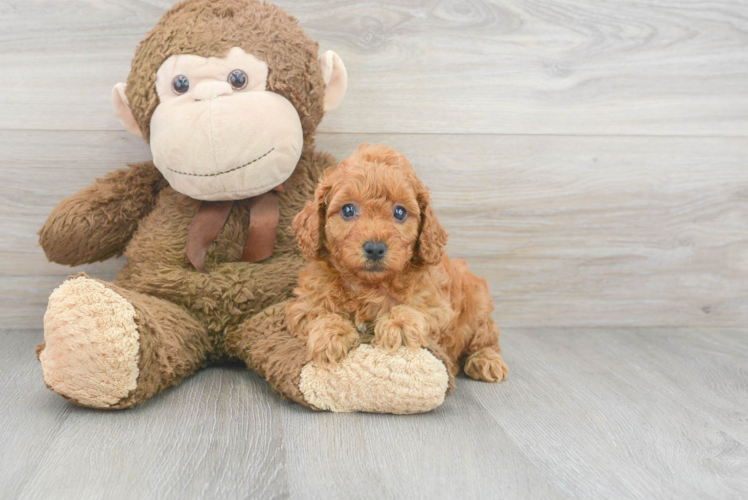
x,y
228,93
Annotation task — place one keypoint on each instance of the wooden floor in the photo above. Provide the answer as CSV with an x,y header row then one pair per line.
x,y
585,414
589,158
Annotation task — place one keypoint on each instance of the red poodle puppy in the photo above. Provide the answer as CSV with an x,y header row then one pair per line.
x,y
376,259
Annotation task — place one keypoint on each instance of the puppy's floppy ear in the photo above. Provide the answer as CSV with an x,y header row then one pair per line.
x,y
309,224
432,237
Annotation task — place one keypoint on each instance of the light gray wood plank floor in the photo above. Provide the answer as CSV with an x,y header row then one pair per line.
x,y
590,414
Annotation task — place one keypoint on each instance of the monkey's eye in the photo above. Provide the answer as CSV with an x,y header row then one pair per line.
x,y
400,213
348,211
180,84
238,79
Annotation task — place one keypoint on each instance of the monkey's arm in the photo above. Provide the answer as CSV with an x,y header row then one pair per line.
x,y
96,223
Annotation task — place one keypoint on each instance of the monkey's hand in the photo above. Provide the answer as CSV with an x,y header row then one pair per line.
x,y
97,222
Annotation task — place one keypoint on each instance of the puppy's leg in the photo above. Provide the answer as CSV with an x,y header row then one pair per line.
x,y
481,351
484,361
402,325
330,338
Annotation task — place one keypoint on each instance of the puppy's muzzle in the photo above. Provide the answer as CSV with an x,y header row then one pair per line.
x,y
375,250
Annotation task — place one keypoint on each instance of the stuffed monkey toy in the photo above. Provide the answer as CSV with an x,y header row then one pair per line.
x,y
228,93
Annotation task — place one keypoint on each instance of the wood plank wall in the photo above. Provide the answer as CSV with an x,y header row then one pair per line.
x,y
589,158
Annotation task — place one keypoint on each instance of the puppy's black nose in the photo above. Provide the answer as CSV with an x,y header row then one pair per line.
x,y
375,250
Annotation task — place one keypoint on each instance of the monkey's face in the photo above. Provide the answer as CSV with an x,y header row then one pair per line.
x,y
217,133
226,93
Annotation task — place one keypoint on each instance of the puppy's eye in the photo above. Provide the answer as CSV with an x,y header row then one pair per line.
x,y
348,211
238,79
180,84
400,213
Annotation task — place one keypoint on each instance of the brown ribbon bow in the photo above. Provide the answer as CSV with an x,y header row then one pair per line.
x,y
211,216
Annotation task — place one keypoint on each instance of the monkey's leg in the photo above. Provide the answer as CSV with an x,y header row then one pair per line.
x,y
108,347
369,379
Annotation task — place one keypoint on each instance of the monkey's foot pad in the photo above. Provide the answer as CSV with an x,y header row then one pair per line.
x,y
372,380
91,344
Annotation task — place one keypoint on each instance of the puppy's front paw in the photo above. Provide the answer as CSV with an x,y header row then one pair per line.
x,y
403,325
329,342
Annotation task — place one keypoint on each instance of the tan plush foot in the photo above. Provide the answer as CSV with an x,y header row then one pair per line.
x,y
92,342
487,365
374,380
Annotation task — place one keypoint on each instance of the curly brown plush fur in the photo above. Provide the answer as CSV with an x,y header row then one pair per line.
x,y
134,211
159,280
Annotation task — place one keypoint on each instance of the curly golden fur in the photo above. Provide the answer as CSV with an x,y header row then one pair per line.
x,y
410,294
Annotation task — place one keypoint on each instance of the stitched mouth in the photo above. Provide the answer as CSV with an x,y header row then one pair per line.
x,y
225,171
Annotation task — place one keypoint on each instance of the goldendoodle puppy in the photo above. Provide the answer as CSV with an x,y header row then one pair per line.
x,y
376,261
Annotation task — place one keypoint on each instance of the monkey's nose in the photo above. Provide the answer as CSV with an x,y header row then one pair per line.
x,y
375,250
211,89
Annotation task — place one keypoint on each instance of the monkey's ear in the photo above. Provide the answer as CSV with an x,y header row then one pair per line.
x,y
122,108
335,77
